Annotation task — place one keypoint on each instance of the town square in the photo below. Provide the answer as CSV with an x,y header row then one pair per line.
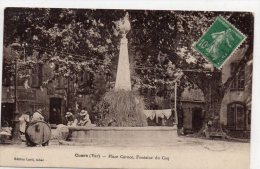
x,y
129,80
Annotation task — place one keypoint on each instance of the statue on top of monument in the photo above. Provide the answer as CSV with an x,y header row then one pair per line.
x,y
123,25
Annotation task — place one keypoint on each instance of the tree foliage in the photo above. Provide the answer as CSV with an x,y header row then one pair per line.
x,y
70,40
160,45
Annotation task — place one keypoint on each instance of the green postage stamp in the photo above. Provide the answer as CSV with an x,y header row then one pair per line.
x,y
219,42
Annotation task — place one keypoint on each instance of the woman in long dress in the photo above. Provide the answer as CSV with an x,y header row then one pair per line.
x,y
84,118
24,120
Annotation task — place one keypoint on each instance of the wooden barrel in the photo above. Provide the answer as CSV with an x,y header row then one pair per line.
x,y
38,133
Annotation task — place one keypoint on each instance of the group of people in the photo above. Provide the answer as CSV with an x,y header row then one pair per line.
x,y
78,119
26,118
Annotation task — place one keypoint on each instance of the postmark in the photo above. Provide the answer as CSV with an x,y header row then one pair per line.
x,y
219,42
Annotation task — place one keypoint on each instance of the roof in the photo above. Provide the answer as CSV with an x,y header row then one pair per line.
x,y
192,95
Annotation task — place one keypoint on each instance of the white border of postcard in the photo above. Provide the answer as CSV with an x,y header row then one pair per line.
x,y
207,5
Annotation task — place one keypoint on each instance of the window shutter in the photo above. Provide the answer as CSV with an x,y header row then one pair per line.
x,y
240,120
239,81
37,76
232,73
231,116
35,79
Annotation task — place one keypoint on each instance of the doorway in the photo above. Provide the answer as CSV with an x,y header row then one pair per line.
x,y
7,112
55,111
197,119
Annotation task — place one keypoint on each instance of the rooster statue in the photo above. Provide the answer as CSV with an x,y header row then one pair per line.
x,y
123,25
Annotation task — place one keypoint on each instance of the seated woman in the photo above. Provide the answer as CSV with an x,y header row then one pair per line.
x,y
70,118
84,118
37,116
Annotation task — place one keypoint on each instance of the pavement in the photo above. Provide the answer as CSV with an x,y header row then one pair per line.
x,y
183,152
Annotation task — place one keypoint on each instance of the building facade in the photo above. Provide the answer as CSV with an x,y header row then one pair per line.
x,y
53,98
192,106
235,112
31,96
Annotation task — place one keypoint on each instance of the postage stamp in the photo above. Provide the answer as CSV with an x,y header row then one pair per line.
x,y
219,42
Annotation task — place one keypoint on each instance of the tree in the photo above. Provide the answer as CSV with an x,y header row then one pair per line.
x,y
172,34
160,45
70,41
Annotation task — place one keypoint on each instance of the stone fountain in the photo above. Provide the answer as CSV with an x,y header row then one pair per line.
x,y
124,136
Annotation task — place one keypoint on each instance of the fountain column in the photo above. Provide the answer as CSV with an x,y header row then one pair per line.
x,y
123,80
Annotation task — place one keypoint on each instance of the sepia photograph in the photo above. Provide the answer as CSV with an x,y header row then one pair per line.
x,y
130,82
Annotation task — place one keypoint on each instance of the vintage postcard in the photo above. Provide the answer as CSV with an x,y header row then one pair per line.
x,y
126,88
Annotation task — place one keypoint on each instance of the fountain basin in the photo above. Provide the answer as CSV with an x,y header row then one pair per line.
x,y
145,136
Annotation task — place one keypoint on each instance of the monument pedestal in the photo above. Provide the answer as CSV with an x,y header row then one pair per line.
x,y
123,80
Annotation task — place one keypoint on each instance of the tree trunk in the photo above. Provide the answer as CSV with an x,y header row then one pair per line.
x,y
213,94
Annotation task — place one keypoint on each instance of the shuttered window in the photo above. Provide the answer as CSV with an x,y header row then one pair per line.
x,y
37,76
239,81
236,116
